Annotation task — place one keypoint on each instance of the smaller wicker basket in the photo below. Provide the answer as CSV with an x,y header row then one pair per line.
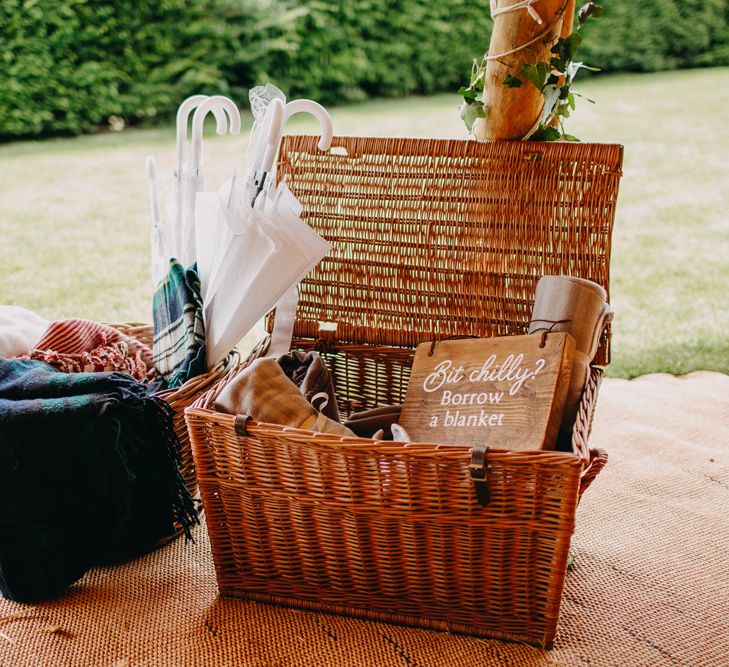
x,y
180,398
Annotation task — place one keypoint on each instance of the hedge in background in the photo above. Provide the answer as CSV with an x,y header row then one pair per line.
x,y
658,35
339,51
68,67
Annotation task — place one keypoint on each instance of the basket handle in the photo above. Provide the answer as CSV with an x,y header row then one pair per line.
x,y
598,459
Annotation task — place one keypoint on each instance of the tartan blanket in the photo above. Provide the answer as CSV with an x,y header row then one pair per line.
x,y
179,331
88,473
83,346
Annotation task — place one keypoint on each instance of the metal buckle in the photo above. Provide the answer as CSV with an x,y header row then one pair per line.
x,y
479,472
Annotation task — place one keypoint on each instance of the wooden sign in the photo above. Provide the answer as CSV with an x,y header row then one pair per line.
x,y
505,392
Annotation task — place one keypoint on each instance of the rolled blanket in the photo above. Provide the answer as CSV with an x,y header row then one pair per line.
x,y
83,346
579,307
309,372
263,392
88,473
20,330
179,331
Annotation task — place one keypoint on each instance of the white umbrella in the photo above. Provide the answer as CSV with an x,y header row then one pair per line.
x,y
270,250
189,181
166,233
159,232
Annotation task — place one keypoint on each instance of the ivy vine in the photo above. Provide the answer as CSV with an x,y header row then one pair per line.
x,y
553,79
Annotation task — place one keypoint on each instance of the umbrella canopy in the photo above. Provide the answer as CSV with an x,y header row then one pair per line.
x,y
269,249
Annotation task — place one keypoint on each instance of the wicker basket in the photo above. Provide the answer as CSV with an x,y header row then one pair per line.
x,y
431,239
180,398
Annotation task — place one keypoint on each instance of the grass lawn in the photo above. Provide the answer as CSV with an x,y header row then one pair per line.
x,y
74,212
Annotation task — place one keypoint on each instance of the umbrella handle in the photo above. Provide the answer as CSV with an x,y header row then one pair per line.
x,y
212,103
281,114
273,137
326,128
183,115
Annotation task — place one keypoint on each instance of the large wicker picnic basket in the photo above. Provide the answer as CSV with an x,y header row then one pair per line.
x,y
431,239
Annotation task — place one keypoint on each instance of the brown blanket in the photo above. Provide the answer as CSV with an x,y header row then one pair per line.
x,y
649,584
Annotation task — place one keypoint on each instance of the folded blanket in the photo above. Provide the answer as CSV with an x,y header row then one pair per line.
x,y
83,346
263,392
368,423
179,331
309,372
88,473
20,330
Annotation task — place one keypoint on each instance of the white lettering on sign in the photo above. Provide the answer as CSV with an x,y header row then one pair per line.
x,y
506,392
510,370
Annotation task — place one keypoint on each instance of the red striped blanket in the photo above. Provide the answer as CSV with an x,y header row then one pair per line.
x,y
83,346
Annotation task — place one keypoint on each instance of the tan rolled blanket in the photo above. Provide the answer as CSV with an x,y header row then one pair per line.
x,y
263,392
579,307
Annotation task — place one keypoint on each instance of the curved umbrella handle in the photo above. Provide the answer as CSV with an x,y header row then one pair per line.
x,y
322,115
281,114
183,115
212,103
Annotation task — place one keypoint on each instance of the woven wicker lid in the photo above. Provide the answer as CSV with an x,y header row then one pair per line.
x,y
438,238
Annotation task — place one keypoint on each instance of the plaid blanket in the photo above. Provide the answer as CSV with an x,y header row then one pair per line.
x,y
88,473
179,332
83,346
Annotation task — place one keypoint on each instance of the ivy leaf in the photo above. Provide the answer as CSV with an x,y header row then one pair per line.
x,y
467,93
512,82
537,74
570,137
571,101
546,134
589,9
565,48
470,113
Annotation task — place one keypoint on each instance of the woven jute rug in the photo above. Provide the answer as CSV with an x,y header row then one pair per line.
x,y
649,585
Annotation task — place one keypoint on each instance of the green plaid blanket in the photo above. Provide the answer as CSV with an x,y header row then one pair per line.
x,y
179,332
88,473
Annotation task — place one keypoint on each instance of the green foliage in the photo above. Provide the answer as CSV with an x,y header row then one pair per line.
x,y
77,65
658,35
68,67
71,67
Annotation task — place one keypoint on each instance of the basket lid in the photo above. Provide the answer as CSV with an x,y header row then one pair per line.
x,y
438,238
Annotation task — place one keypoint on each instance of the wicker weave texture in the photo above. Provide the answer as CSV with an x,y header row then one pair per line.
x,y
430,239
390,531
435,238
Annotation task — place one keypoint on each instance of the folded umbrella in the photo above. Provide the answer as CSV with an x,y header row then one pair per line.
x,y
270,250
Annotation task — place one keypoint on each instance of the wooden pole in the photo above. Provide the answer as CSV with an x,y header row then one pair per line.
x,y
512,112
